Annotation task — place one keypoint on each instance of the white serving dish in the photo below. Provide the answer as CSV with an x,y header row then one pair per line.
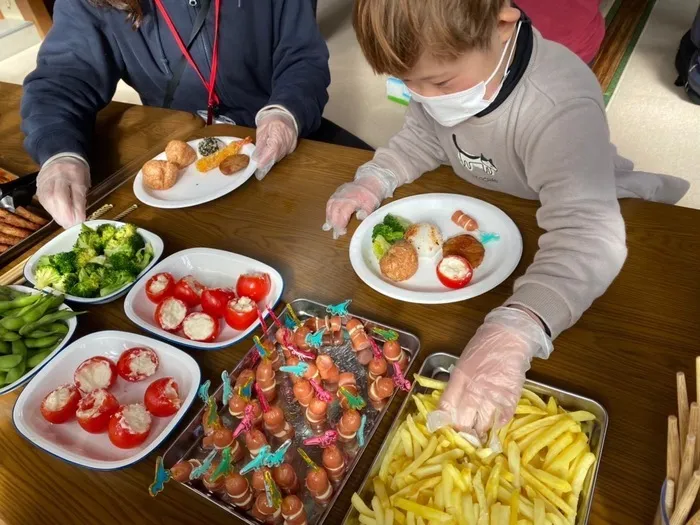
x,y
192,187
64,243
501,257
72,324
69,441
214,269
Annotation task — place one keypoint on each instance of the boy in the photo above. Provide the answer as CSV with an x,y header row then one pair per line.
x,y
485,85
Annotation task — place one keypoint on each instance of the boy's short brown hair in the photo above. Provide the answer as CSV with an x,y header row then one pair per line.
x,y
394,33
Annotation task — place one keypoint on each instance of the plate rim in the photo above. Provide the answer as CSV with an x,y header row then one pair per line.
x,y
409,296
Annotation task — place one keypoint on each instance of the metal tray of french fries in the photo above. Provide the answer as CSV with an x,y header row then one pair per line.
x,y
364,508
188,443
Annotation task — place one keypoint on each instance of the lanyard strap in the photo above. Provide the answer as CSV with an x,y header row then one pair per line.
x,y
213,99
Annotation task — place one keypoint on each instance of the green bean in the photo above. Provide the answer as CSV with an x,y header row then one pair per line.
x,y
42,342
8,362
52,329
38,358
19,302
61,315
17,372
5,347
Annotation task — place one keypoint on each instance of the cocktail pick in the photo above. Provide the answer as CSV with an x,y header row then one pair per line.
x,y
246,423
276,458
399,379
315,340
161,478
388,335
291,314
322,394
328,438
340,309
301,354
260,348
263,325
246,389
376,351
354,402
274,498
264,405
213,419
202,469
258,461
228,389
298,370
224,466
361,430
274,318
203,391
307,459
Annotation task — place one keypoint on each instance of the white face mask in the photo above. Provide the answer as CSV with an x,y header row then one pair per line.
x,y
455,108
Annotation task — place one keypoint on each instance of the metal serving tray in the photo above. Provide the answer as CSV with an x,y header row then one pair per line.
x,y
437,366
187,444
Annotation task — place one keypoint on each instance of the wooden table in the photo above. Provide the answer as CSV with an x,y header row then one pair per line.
x,y
623,352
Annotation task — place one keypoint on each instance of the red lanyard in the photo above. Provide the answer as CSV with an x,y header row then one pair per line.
x,y
213,99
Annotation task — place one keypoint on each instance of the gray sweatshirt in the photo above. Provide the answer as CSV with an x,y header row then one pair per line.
x,y
549,140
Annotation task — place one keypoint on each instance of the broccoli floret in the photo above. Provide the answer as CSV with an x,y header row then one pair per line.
x,y
396,223
44,260
380,246
64,262
86,288
66,282
106,232
88,238
144,256
92,271
114,280
46,276
125,232
122,261
84,256
390,234
128,246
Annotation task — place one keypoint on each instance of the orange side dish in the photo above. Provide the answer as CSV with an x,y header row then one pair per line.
x,y
210,162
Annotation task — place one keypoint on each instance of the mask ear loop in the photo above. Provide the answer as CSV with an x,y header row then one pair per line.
x,y
513,39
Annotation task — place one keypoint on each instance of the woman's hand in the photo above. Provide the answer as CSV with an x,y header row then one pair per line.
x,y
276,138
487,381
62,187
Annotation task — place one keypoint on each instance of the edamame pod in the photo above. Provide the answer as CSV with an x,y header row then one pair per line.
x,y
19,348
38,358
5,347
42,342
19,302
9,336
61,315
52,329
2,378
17,372
8,362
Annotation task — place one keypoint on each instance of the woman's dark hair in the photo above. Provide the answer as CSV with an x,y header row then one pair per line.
x,y
132,8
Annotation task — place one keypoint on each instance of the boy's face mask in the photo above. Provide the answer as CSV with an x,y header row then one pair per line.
x,y
455,108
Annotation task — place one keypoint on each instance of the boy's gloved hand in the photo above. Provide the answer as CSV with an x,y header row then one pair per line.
x,y
371,186
487,381
62,187
276,138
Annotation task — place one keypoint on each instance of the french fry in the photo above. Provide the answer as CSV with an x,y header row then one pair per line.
x,y
584,464
529,409
453,454
492,483
552,408
384,467
535,425
480,492
520,422
514,462
420,406
555,448
380,492
548,437
399,517
534,399
388,517
360,506
378,510
428,382
423,511
570,453
427,471
503,432
468,509
554,519
415,433
545,491
539,515
447,485
553,482
406,442
424,456
581,415
366,520
456,476
514,508
410,518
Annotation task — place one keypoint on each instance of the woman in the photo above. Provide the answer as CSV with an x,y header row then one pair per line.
x,y
270,71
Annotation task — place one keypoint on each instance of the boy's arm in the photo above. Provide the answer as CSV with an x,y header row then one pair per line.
x,y
568,161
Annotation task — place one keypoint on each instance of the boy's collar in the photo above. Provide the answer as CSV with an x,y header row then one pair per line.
x,y
521,59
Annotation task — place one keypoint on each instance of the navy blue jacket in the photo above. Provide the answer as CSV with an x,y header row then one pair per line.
x,y
270,52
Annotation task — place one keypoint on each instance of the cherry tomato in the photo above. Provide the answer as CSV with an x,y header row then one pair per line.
x,y
170,313
201,327
136,364
454,271
159,287
214,301
60,405
94,373
254,285
162,398
240,313
129,426
188,290
95,409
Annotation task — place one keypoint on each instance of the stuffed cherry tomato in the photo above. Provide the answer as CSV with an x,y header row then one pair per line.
x,y
188,290
95,409
60,405
214,301
454,271
255,285
162,397
137,364
170,314
241,313
129,426
94,373
201,327
159,287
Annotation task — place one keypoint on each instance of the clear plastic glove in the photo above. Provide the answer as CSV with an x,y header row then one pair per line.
x,y
276,138
62,187
487,381
371,186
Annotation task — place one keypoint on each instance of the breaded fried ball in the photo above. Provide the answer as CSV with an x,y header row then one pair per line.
x,y
400,262
180,153
466,246
234,163
160,174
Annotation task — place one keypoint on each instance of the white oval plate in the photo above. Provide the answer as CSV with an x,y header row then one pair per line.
x,y
72,323
69,441
64,243
501,258
192,187
214,269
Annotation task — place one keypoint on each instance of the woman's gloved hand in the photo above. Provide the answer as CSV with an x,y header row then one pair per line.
x,y
487,381
62,187
371,186
276,138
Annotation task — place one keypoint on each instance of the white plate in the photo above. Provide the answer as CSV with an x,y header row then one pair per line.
x,y
69,441
192,187
72,323
214,269
501,258
64,243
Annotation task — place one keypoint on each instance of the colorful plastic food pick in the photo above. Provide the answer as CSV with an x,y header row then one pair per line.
x,y
199,471
260,348
264,405
315,340
307,459
325,440
291,317
298,370
246,389
322,394
355,402
399,379
203,391
274,498
274,317
388,335
258,461
246,423
376,351
301,354
162,477
228,389
340,309
361,430
276,458
224,466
